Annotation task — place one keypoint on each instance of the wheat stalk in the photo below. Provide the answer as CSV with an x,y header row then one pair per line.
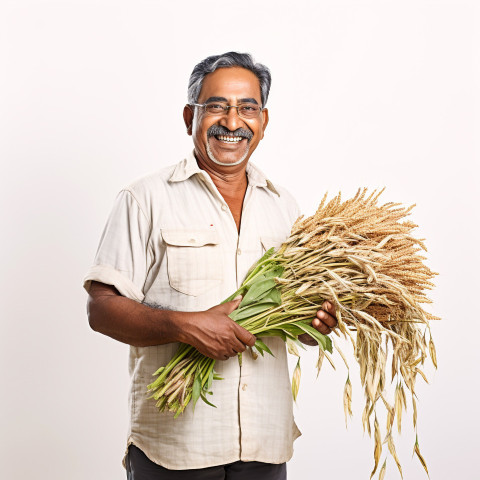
x,y
361,256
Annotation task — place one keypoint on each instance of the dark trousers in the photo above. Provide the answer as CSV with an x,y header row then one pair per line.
x,y
139,467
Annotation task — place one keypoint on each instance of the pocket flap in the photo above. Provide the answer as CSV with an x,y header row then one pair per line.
x,y
269,242
187,237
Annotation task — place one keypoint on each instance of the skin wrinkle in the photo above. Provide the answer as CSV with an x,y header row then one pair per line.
x,y
223,99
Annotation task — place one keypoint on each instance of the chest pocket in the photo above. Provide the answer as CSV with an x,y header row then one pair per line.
x,y
194,259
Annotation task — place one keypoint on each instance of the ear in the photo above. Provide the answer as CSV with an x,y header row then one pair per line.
x,y
264,120
188,118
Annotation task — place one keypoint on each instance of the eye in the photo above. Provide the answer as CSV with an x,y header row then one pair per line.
x,y
249,109
214,107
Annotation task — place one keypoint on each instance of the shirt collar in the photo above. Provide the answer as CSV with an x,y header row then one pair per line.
x,y
189,166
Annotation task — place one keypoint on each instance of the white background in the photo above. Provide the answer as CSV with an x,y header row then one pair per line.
x,y
366,93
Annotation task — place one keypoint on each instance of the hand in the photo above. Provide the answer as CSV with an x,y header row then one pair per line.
x,y
214,334
324,321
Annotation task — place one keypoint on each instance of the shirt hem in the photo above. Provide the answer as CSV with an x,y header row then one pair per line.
x,y
132,441
234,458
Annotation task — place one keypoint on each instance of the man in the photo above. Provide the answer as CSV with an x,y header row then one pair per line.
x,y
183,239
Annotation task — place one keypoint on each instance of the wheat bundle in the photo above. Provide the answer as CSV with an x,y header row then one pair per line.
x,y
361,256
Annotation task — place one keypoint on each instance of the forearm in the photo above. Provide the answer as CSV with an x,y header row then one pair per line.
x,y
212,332
133,323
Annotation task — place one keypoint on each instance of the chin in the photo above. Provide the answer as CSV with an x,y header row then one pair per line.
x,y
232,163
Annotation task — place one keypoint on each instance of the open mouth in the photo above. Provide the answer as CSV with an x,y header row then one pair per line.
x,y
229,138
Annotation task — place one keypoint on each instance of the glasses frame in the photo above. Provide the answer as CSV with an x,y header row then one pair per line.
x,y
225,109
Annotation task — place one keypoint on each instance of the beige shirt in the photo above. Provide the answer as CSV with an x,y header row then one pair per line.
x,y
171,241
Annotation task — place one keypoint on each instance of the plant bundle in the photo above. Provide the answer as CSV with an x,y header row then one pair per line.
x,y
361,256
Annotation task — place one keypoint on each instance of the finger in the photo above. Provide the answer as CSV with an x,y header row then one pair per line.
x,y
307,339
321,327
237,347
245,336
329,307
327,318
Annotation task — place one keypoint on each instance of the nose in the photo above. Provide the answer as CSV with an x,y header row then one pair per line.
x,y
231,120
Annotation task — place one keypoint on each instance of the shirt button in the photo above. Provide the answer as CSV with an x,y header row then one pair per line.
x,y
239,252
244,386
224,208
192,240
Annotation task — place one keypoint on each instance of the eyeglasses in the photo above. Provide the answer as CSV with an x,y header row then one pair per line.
x,y
244,110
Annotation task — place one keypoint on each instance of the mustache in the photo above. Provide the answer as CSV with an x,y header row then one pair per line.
x,y
219,130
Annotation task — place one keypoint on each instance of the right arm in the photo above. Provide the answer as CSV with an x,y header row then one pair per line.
x,y
211,332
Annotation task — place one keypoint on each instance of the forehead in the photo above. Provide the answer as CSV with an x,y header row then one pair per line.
x,y
231,83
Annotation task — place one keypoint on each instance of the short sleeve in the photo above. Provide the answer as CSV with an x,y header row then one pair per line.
x,y
122,257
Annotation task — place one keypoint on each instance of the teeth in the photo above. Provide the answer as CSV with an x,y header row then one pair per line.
x,y
225,138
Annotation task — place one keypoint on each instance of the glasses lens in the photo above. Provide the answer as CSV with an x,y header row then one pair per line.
x,y
248,110
215,108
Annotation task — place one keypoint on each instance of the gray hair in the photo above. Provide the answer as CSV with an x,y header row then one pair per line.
x,y
230,59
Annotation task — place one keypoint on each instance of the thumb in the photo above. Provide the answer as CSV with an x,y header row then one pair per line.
x,y
232,304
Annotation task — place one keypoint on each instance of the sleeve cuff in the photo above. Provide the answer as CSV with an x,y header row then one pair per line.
x,y
110,276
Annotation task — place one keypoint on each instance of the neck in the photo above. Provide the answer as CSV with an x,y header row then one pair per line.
x,y
231,182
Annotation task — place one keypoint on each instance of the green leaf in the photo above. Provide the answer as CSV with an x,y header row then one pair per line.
x,y
258,266
256,290
275,333
274,272
206,401
197,390
210,380
323,340
272,295
240,291
266,255
258,350
293,329
251,310
261,347
329,346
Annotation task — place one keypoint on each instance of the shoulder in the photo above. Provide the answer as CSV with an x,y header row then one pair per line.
x,y
150,184
153,189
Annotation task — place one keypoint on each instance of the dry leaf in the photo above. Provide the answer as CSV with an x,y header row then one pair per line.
x,y
381,475
393,452
321,356
297,373
433,353
347,399
416,450
378,446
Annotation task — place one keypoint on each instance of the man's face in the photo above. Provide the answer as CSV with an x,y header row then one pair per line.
x,y
233,86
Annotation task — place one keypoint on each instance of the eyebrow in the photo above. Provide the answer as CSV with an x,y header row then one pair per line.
x,y
223,99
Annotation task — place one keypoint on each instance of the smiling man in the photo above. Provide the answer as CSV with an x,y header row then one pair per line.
x,y
175,245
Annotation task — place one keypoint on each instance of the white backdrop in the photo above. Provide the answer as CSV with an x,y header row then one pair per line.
x,y
91,96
